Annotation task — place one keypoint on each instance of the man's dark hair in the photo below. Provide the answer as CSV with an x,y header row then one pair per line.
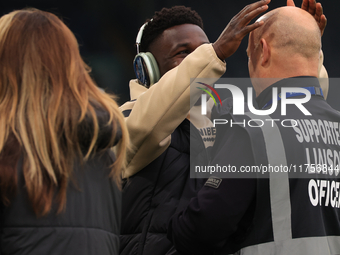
x,y
166,18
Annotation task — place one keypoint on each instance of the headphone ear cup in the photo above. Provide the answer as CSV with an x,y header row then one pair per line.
x,y
146,69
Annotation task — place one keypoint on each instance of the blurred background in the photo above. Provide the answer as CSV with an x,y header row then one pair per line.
x,y
106,31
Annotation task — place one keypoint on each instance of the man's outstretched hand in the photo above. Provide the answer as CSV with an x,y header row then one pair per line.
x,y
231,37
315,9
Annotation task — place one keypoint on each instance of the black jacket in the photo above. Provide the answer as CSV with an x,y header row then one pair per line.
x,y
90,224
154,194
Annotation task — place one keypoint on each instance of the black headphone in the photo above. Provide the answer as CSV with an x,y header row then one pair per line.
x,y
145,64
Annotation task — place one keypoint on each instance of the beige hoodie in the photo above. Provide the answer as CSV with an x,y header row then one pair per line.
x,y
160,109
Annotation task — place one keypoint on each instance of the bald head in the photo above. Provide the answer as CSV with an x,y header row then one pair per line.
x,y
287,44
290,30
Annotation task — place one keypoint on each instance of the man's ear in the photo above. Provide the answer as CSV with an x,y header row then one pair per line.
x,y
265,56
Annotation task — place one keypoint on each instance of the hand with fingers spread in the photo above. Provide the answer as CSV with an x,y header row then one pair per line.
x,y
315,9
238,28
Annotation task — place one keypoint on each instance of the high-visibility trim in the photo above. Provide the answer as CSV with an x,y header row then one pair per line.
x,y
325,245
279,182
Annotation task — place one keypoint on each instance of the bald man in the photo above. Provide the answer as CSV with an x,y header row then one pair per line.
x,y
273,212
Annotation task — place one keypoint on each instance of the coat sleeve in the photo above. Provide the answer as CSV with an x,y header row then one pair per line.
x,y
217,213
159,110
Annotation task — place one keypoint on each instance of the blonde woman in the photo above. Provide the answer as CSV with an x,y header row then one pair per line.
x,y
58,177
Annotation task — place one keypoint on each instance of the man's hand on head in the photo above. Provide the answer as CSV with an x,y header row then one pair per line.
x,y
315,9
238,28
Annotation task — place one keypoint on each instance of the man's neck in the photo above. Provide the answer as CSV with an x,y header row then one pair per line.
x,y
300,81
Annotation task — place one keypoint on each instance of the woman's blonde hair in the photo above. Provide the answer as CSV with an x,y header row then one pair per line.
x,y
45,94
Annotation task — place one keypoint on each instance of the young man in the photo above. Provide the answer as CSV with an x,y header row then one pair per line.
x,y
157,179
274,213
